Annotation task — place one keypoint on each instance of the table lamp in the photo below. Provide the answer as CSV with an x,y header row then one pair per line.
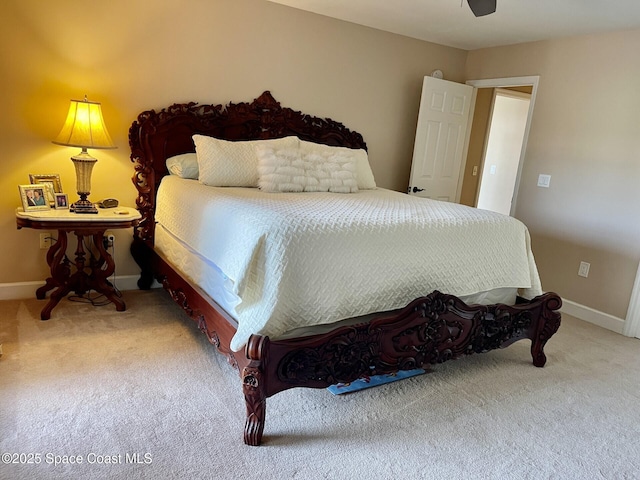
x,y
84,128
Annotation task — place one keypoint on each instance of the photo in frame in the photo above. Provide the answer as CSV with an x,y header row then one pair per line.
x,y
33,197
51,180
61,201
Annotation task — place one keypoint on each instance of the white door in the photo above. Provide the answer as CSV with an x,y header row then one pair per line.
x,y
503,150
440,139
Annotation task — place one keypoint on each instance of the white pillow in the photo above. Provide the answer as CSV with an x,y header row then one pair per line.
x,y
291,170
366,181
184,166
223,163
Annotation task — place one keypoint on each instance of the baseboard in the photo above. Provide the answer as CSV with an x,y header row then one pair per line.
x,y
591,315
20,290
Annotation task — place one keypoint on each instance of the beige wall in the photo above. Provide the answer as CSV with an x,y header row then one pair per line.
x,y
134,55
584,134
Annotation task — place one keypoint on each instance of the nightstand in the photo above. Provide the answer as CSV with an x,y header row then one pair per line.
x,y
81,275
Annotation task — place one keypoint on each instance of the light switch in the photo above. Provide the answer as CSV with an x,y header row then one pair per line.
x,y
492,170
544,180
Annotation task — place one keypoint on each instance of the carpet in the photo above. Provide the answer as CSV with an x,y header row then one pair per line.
x,y
96,394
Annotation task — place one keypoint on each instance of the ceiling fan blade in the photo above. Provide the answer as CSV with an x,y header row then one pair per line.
x,y
480,8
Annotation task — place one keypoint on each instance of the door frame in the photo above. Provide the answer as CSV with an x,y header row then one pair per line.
x,y
632,322
533,81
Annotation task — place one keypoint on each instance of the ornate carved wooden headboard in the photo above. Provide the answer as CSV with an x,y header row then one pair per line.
x,y
156,136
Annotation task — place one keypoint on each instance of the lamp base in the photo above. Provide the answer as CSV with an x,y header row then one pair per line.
x,y
83,206
84,164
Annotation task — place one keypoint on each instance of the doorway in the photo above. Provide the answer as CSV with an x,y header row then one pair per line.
x,y
478,137
503,145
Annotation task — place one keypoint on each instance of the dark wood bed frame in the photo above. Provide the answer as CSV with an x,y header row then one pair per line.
x,y
430,330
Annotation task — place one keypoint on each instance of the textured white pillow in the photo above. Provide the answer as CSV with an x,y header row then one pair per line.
x,y
291,170
223,163
366,181
184,166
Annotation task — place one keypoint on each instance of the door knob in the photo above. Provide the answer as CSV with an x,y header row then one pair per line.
x,y
416,189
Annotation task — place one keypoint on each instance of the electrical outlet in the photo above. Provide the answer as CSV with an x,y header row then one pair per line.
x,y
108,239
45,241
583,270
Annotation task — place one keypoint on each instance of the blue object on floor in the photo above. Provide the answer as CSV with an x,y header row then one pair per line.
x,y
373,381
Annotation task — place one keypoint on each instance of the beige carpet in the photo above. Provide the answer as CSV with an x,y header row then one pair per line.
x,y
142,389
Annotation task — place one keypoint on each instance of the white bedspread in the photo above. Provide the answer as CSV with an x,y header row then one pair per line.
x,y
298,259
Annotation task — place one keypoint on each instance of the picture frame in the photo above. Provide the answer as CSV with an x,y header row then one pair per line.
x,y
33,197
52,180
61,201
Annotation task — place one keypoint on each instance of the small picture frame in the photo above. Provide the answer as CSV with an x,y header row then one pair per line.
x,y
34,197
51,180
61,201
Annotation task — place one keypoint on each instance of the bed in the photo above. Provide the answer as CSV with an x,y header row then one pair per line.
x,y
312,288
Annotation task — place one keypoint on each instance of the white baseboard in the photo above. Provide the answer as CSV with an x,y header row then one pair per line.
x,y
591,315
20,290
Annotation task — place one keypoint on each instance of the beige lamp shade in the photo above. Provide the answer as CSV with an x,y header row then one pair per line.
x,y
84,127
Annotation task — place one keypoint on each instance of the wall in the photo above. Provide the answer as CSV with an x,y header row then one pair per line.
x,y
134,55
584,134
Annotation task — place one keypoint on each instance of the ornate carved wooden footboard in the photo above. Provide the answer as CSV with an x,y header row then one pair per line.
x,y
430,330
